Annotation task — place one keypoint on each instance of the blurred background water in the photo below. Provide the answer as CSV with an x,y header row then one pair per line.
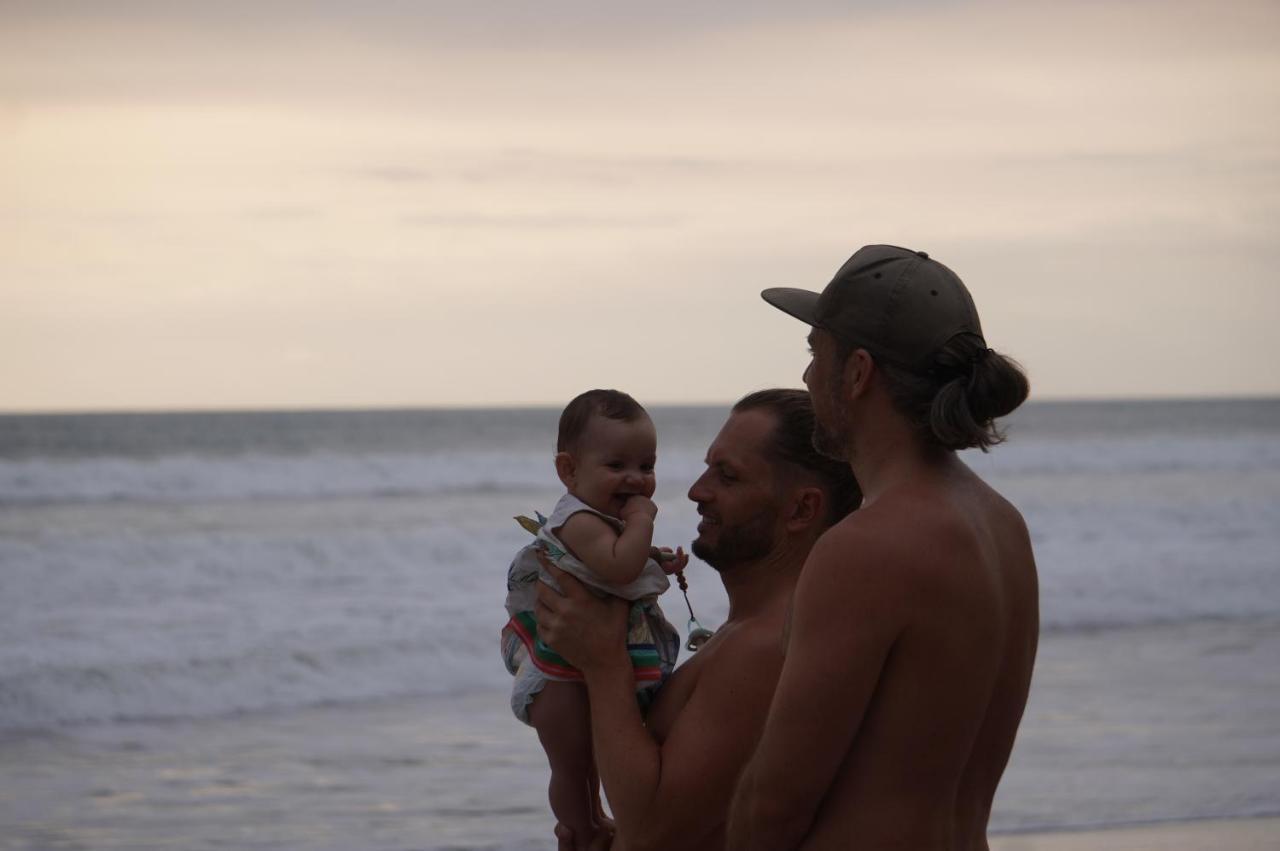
x,y
268,629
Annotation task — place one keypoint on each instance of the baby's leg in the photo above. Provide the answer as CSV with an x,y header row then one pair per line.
x,y
562,716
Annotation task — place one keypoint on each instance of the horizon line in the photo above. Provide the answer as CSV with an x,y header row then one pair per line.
x,y
531,406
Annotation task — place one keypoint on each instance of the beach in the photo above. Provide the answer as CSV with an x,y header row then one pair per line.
x,y
269,631
1102,747
1259,834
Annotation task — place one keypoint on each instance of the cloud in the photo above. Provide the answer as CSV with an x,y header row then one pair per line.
x,y
398,178
394,49
282,212
537,221
473,21
394,174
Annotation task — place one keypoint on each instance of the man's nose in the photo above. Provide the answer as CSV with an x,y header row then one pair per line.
x,y
805,376
698,490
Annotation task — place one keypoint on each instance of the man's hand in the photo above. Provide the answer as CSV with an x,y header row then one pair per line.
x,y
638,506
602,841
588,632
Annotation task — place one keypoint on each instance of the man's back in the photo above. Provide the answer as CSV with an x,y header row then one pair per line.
x,y
912,638
957,653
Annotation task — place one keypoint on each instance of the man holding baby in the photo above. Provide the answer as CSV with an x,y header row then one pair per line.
x,y
764,498
903,649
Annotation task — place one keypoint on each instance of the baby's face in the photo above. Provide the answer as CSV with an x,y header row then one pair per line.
x,y
613,461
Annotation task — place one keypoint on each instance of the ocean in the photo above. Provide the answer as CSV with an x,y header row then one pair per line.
x,y
270,630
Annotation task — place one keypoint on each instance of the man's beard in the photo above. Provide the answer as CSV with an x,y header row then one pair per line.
x,y
738,544
832,440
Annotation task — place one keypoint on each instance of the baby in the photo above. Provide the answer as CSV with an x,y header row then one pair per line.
x,y
601,532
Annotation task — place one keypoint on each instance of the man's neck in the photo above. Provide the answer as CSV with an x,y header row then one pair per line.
x,y
891,453
755,587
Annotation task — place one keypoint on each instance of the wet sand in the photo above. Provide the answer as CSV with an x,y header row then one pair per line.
x,y
1143,728
452,773
1260,834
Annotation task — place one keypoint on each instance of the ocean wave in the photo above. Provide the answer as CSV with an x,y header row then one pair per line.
x,y
268,589
189,478
1130,455
284,678
261,679
193,478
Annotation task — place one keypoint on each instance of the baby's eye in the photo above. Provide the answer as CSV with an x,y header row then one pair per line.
x,y
614,465
646,468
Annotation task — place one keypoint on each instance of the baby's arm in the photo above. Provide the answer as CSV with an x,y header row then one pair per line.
x,y
616,558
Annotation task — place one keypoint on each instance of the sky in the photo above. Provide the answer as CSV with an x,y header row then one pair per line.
x,y
324,204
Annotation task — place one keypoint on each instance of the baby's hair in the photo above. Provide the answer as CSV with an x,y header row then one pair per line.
x,y
613,404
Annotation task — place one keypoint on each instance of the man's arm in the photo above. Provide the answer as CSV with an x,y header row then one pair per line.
x,y
847,614
674,795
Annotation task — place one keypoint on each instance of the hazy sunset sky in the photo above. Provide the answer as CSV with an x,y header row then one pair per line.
x,y
320,204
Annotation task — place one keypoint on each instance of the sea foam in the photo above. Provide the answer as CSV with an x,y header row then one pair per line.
x,y
190,585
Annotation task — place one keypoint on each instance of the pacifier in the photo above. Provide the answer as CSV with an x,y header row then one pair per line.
x,y
698,634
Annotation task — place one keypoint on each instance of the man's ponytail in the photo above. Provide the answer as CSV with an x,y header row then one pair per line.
x,y
956,401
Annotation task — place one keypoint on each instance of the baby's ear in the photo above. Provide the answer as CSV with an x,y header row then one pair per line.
x,y
565,468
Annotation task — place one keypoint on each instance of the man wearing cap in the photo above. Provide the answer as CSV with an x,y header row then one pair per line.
x,y
914,624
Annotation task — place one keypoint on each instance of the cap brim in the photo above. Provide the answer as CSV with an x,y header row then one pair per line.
x,y
802,304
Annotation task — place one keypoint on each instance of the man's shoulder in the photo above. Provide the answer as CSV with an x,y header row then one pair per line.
x,y
729,683
894,543
745,651
878,534
936,547
748,640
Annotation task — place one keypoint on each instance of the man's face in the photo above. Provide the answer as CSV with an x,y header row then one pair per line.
x,y
825,379
736,494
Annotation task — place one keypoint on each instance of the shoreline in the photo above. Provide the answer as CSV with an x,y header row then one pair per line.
x,y
450,771
1244,833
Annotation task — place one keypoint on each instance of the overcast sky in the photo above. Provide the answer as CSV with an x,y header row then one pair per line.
x,y
479,203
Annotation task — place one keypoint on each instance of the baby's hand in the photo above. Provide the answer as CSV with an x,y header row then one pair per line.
x,y
638,505
672,562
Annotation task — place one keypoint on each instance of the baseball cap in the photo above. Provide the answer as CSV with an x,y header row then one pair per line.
x,y
899,304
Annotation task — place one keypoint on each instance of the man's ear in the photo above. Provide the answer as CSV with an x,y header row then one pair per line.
x,y
808,505
565,468
858,369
